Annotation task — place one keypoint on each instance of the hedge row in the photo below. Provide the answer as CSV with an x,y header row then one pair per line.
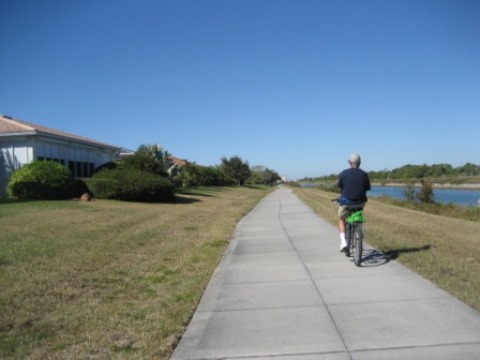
x,y
46,180
130,185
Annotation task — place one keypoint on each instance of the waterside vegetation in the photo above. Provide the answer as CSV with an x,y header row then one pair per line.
x,y
469,213
442,175
420,198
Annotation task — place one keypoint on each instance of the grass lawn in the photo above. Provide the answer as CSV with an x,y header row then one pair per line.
x,y
120,280
107,279
440,248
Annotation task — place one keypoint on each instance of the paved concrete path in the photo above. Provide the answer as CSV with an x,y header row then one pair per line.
x,y
283,291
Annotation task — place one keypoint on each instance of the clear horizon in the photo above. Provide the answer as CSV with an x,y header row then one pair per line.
x,y
292,85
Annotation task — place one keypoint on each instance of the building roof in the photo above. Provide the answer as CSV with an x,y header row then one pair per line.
x,y
11,127
176,161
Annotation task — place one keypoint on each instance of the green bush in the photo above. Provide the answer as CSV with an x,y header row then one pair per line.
x,y
144,162
193,175
41,180
104,188
108,165
130,184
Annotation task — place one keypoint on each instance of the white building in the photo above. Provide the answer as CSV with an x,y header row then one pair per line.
x,y
22,142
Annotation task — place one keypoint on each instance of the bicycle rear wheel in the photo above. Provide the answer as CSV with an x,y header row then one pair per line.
x,y
357,244
348,238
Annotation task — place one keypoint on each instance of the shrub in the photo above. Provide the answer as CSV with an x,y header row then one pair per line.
x,y
330,186
193,175
104,188
108,165
144,162
409,193
130,184
426,193
41,180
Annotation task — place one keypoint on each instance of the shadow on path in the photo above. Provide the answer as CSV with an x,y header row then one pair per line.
x,y
395,253
376,258
373,258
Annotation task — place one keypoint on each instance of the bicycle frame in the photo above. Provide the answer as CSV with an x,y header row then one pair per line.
x,y
354,232
354,235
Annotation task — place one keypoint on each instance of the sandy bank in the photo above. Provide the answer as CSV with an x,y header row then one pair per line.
x,y
436,185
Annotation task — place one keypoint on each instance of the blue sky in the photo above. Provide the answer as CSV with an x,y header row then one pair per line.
x,y
294,85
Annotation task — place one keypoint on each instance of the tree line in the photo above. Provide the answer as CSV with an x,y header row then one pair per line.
x,y
230,171
427,171
415,172
150,174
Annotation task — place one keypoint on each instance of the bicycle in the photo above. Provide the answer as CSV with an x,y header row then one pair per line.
x,y
354,233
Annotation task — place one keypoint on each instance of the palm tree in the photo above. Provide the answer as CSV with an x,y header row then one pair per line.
x,y
159,154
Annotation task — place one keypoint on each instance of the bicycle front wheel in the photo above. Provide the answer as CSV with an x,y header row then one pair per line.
x,y
357,244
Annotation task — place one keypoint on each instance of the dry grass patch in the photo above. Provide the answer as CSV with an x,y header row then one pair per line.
x,y
107,279
440,248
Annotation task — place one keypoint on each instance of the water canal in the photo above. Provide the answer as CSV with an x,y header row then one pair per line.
x,y
461,197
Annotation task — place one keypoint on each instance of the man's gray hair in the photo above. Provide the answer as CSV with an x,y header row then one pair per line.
x,y
354,159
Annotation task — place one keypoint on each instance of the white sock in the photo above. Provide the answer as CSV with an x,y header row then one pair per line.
x,y
343,242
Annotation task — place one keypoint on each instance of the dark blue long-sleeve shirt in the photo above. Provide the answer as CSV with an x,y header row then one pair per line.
x,y
354,184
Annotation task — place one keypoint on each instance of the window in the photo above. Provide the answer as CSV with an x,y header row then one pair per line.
x,y
77,168
85,170
71,167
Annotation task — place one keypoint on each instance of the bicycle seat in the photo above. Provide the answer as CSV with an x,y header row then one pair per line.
x,y
353,208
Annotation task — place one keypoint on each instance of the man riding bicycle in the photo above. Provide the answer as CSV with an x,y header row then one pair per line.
x,y
354,184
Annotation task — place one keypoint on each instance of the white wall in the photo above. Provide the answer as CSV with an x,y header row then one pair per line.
x,y
13,154
81,160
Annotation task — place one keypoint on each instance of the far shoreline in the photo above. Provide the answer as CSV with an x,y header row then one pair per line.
x,y
475,186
